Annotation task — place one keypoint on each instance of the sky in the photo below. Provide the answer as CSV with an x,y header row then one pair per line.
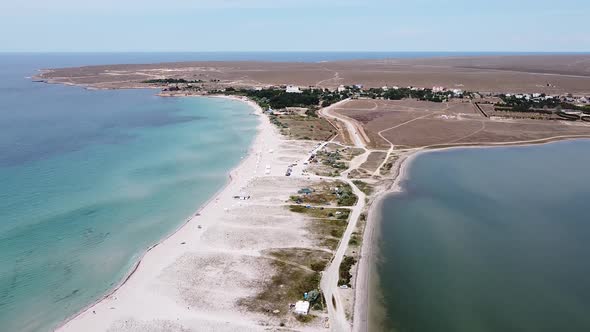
x,y
289,25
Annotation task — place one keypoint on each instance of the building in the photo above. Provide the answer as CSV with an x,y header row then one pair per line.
x,y
302,307
305,191
438,89
342,88
293,89
385,88
457,92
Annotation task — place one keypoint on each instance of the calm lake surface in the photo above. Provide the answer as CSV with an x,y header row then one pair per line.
x,y
489,240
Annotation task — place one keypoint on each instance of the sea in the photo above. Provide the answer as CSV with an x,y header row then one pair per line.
x,y
487,240
90,179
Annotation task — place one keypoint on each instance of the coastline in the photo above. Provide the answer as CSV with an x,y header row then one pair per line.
x,y
367,278
369,251
232,179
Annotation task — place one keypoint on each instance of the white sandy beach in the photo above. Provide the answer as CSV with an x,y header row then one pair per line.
x,y
193,279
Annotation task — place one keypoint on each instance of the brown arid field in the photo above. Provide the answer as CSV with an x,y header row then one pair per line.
x,y
412,124
551,74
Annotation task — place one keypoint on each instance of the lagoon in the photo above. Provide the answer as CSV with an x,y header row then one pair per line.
x,y
489,239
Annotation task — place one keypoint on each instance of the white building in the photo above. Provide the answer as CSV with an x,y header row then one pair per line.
x,y
438,89
536,95
301,307
342,88
457,92
293,89
385,88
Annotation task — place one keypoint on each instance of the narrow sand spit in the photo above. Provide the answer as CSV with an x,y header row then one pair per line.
x,y
194,279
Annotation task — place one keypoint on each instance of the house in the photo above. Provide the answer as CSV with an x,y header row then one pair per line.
x,y
385,88
438,89
293,89
395,87
457,92
342,88
358,86
302,307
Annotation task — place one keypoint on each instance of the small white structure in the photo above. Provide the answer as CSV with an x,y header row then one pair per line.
x,y
293,89
342,88
438,89
302,307
395,87
536,95
457,92
385,88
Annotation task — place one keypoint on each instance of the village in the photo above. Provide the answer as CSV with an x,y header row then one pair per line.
x,y
291,99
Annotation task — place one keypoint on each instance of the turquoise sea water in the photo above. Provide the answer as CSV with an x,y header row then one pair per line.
x,y
90,179
489,240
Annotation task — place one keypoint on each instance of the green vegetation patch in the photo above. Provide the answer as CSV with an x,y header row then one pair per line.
x,y
386,169
171,81
278,98
304,127
328,232
363,186
355,239
327,193
345,266
296,271
321,213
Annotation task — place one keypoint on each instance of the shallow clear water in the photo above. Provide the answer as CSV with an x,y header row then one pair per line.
x,y
90,179
490,240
